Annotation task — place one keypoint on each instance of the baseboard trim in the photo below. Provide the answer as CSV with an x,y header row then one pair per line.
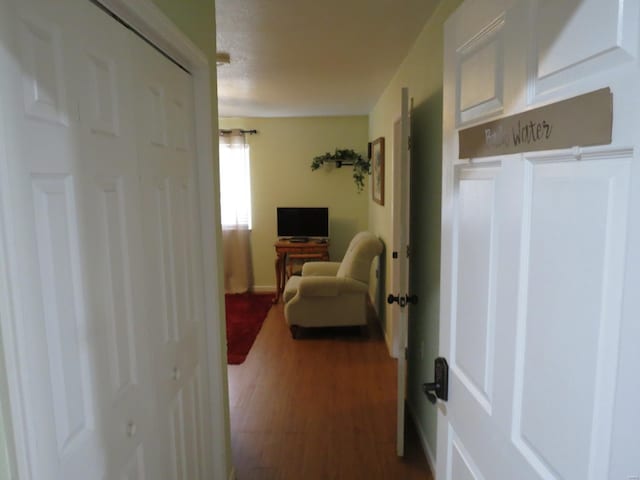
x,y
423,439
375,315
263,289
388,342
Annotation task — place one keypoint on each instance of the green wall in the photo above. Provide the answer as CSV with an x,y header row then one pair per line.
x,y
421,71
197,20
281,175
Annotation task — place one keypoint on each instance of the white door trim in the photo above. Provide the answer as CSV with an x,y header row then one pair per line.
x,y
149,20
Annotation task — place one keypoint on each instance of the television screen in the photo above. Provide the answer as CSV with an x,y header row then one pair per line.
x,y
303,222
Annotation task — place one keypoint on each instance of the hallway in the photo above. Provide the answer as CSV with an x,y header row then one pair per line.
x,y
317,408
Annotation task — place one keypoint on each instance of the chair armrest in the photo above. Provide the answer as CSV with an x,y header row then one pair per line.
x,y
329,286
327,269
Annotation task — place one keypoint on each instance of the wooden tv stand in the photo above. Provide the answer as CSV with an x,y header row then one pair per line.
x,y
286,249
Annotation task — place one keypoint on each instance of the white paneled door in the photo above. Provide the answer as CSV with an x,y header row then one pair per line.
x,y
541,252
166,149
103,247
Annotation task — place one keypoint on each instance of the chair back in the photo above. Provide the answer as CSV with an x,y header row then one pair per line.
x,y
356,264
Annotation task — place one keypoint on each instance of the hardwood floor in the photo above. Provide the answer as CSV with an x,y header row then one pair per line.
x,y
322,407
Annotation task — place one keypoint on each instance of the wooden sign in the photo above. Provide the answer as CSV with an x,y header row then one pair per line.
x,y
579,121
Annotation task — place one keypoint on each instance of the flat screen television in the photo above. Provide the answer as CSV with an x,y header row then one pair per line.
x,y
303,222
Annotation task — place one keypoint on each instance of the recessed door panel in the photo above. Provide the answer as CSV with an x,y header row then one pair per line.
x,y
480,87
43,80
156,115
176,427
166,259
576,214
462,467
474,322
135,468
179,132
118,304
56,231
561,53
103,94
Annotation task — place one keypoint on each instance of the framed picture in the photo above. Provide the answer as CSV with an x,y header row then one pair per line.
x,y
377,170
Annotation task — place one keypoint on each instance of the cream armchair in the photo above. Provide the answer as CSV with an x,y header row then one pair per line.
x,y
330,294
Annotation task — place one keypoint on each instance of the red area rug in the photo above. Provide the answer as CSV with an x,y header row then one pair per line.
x,y
245,314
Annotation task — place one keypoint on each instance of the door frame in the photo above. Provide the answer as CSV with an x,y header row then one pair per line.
x,y
146,18
400,267
395,340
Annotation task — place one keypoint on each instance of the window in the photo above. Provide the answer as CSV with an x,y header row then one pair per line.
x,y
235,182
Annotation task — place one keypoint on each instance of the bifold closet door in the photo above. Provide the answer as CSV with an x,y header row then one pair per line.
x,y
113,243
100,216
164,113
57,340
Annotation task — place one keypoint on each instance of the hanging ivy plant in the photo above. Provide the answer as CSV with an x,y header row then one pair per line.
x,y
361,165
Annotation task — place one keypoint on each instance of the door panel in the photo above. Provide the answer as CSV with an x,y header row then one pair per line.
x,y
103,116
480,81
119,323
64,319
572,275
473,325
135,469
560,50
43,77
462,466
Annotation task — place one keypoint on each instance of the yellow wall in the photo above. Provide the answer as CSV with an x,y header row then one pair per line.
x,y
197,20
281,175
421,72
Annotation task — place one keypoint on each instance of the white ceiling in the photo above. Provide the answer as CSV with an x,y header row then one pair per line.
x,y
312,57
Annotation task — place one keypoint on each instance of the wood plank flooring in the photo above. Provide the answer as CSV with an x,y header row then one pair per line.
x,y
322,407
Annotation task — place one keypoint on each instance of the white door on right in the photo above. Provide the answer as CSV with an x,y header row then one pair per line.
x,y
540,283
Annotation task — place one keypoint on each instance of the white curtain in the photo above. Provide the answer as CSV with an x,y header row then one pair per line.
x,y
235,207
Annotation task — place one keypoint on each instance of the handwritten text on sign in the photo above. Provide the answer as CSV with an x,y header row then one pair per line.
x,y
579,121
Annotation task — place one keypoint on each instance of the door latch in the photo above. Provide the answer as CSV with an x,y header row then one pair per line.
x,y
402,300
439,388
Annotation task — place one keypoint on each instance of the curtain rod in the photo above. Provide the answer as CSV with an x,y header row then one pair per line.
x,y
228,132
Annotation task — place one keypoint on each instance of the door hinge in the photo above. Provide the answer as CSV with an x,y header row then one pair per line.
x,y
409,142
408,251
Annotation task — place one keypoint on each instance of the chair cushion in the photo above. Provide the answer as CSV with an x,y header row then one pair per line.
x,y
356,263
291,288
320,269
